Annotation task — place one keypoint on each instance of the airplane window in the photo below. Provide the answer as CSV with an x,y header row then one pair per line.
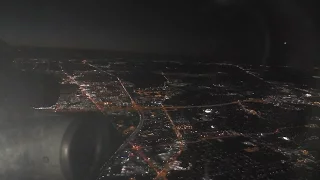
x,y
184,89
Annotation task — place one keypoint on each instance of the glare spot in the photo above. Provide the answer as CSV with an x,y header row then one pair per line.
x,y
285,138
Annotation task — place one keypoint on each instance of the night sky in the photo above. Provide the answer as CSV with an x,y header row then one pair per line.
x,y
164,26
224,29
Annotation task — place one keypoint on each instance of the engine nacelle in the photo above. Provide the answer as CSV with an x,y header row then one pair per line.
x,y
47,146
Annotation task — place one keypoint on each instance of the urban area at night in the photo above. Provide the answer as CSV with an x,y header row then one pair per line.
x,y
195,120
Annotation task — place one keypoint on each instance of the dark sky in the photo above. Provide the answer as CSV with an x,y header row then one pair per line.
x,y
165,26
223,29
113,24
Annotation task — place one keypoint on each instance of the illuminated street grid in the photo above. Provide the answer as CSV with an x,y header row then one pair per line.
x,y
223,122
